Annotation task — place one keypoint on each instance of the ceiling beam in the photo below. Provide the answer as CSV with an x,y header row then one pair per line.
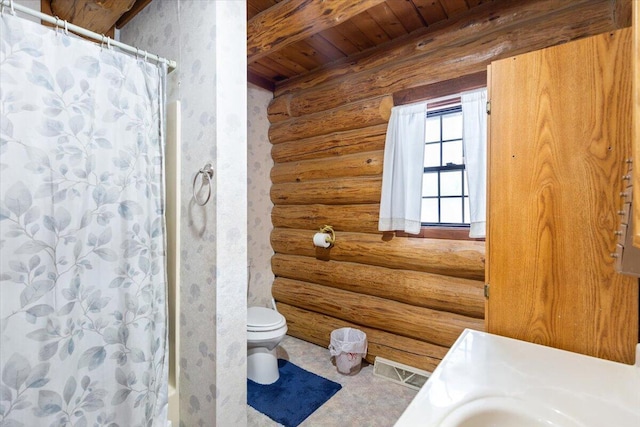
x,y
97,15
291,21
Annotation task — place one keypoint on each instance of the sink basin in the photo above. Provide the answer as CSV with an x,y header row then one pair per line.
x,y
507,412
487,380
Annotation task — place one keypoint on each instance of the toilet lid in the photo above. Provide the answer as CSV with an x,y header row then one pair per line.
x,y
264,319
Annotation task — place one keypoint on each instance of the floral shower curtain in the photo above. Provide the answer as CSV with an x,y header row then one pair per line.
x,y
82,276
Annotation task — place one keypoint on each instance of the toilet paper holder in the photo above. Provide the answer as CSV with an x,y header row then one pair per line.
x,y
330,235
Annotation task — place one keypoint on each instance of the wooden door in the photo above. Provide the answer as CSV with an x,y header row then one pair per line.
x,y
559,134
636,122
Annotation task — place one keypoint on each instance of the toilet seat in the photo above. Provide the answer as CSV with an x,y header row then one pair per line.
x,y
261,319
265,330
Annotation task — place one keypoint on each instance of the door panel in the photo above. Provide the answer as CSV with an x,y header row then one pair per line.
x,y
559,135
636,122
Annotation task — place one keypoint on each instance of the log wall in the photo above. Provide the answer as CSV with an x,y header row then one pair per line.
x,y
412,296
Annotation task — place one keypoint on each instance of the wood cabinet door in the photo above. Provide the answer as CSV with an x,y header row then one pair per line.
x,y
559,133
636,123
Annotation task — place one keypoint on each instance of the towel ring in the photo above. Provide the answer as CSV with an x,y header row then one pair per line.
x,y
207,174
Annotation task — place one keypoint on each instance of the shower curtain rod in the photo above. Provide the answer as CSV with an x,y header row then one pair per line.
x,y
87,33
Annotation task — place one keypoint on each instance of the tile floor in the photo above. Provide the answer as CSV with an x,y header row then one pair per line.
x,y
364,400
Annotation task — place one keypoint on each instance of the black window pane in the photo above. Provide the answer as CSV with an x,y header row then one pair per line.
x,y
451,183
467,218
452,152
452,126
451,210
444,187
431,155
433,129
429,211
430,184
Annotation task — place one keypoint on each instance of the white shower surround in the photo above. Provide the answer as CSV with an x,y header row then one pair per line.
x,y
208,40
259,163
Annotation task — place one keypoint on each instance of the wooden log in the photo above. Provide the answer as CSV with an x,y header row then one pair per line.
x,y
331,145
455,258
622,13
438,292
441,89
352,165
358,218
279,111
331,192
433,326
361,114
401,355
288,22
456,60
316,328
97,15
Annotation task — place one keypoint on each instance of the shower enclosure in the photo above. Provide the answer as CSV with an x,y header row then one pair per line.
x,y
82,237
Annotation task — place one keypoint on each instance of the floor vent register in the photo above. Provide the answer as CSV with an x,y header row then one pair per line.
x,y
402,374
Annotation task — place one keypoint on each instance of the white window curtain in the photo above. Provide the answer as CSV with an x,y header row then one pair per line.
x,y
401,197
474,133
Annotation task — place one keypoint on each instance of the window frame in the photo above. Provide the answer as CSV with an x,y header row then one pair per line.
x,y
451,106
437,94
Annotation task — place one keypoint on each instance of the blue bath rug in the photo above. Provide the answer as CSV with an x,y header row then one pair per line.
x,y
295,396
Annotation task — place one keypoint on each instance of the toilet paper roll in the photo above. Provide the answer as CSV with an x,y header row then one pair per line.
x,y
321,240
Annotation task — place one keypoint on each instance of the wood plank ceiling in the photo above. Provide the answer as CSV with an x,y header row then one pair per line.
x,y
291,38
335,30
288,38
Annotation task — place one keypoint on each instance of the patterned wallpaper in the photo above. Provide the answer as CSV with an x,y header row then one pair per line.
x,y
208,40
259,164
31,4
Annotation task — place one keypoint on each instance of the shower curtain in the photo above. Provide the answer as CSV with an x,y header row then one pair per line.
x,y
82,276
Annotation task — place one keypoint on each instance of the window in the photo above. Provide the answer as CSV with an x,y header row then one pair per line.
x,y
445,196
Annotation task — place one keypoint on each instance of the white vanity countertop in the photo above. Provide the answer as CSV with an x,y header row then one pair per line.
x,y
582,390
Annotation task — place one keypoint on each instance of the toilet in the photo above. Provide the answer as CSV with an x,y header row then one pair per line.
x,y
265,330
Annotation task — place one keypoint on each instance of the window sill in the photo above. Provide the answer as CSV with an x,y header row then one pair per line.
x,y
434,232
